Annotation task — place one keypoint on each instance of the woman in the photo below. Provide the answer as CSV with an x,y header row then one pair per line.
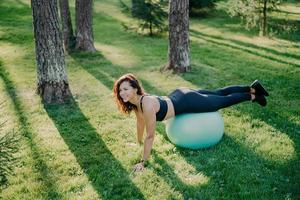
x,y
130,96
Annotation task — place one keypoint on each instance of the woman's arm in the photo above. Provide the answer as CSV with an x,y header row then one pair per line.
x,y
150,122
140,125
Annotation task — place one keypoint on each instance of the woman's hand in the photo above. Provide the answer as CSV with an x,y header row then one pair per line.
x,y
138,167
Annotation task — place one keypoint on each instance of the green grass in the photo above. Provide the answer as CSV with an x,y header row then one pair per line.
x,y
85,149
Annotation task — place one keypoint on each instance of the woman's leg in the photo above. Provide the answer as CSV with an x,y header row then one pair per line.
x,y
226,90
196,102
218,102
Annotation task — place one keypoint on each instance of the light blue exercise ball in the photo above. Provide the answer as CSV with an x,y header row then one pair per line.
x,y
195,130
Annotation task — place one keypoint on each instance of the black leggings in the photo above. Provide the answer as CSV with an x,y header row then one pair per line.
x,y
195,101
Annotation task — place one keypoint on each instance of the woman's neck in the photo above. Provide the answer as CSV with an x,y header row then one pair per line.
x,y
136,100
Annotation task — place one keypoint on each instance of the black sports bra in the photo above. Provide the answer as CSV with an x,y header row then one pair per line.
x,y
161,114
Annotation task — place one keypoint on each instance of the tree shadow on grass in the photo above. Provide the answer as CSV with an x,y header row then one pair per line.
x,y
243,47
287,29
106,72
18,30
105,172
284,86
50,189
224,23
292,130
274,117
233,171
288,12
243,44
164,170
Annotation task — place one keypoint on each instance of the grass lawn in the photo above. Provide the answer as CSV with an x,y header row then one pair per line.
x,y
86,149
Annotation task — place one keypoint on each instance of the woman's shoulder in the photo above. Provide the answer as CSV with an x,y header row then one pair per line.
x,y
148,102
148,99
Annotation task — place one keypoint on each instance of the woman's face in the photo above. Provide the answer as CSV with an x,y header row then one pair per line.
x,y
126,91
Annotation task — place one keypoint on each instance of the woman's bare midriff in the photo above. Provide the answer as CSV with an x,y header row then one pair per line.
x,y
170,111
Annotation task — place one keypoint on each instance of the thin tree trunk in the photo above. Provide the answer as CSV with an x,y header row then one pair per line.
x,y
84,25
178,52
52,82
69,38
150,27
263,26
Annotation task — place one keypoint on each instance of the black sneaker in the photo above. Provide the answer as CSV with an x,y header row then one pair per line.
x,y
259,89
261,100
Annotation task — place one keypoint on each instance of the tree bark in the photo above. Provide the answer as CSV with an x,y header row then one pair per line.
x,y
52,82
178,52
69,38
84,25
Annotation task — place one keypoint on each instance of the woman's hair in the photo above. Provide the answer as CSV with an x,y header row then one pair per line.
x,y
127,107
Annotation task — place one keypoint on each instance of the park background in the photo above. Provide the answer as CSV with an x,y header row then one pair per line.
x,y
85,149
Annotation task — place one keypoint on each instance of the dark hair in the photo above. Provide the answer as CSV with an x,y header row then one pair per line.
x,y
127,107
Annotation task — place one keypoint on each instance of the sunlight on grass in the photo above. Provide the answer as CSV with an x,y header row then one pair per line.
x,y
267,142
116,55
291,8
25,179
2,33
59,159
189,175
128,152
287,11
7,117
254,45
165,82
198,40
279,44
111,9
87,148
122,136
285,16
10,52
19,2
92,100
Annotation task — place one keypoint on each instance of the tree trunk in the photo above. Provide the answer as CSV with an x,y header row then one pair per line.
x,y
150,28
84,25
69,38
52,82
178,52
263,22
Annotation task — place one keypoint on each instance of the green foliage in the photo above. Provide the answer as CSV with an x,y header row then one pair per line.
x,y
8,147
201,7
250,11
151,14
